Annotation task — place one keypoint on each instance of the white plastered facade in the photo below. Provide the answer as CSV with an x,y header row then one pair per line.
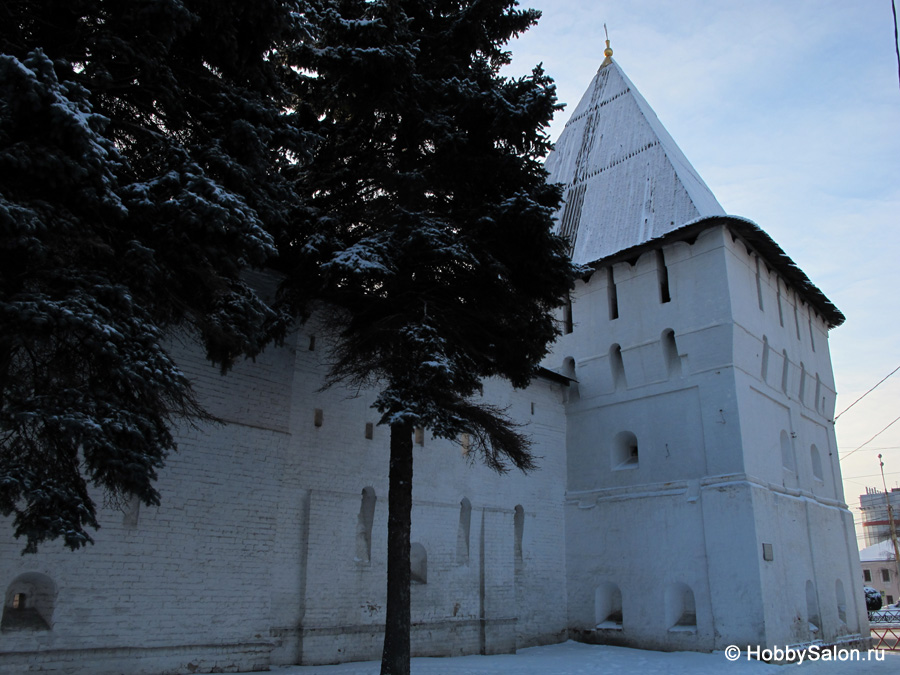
x,y
677,455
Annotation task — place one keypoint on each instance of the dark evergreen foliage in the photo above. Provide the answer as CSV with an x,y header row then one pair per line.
x,y
142,152
433,247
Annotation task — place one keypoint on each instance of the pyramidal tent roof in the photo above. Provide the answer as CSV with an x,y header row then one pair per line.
x,y
626,180
628,185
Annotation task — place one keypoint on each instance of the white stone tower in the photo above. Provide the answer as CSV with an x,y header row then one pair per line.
x,y
704,504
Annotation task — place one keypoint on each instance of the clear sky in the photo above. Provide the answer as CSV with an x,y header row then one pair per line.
x,y
790,111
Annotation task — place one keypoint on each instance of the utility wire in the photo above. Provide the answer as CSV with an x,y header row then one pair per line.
x,y
844,456
866,394
896,38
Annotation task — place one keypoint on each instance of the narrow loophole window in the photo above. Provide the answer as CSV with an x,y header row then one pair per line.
x,y
663,276
617,364
612,294
759,293
568,324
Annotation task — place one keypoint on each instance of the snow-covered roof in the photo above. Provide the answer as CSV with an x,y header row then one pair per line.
x,y
627,182
883,550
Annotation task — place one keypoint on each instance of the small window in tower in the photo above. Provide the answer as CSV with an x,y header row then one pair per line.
x,y
420,436
812,339
780,311
18,601
764,370
784,371
759,295
612,295
819,402
625,451
617,364
867,575
802,392
370,430
663,274
797,320
568,326
885,575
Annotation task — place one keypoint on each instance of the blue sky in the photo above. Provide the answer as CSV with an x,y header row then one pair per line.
x,y
790,111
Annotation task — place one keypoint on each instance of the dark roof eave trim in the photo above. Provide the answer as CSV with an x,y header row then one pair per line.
x,y
753,235
548,374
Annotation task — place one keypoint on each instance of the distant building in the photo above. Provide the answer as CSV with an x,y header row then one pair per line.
x,y
689,495
873,505
879,568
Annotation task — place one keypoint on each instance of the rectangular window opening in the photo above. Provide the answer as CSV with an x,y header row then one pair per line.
x,y
612,295
663,275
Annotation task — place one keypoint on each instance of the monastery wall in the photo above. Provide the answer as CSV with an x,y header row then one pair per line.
x,y
270,543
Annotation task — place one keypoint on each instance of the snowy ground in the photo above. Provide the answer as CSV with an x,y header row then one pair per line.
x,y
573,658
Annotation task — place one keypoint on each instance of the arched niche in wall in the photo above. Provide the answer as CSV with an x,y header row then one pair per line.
x,y
624,452
816,460
787,452
764,368
568,370
785,369
462,536
670,353
681,611
29,603
812,608
617,365
364,525
518,534
418,564
608,605
841,599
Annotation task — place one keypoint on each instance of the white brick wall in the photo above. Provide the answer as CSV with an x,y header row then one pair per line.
x,y
250,559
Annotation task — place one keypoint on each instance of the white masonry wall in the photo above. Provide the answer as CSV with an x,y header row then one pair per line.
x,y
253,557
688,519
812,587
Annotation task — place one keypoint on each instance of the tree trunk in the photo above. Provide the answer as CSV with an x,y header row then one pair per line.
x,y
395,657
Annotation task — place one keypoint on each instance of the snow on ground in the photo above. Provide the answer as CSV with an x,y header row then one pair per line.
x,y
573,658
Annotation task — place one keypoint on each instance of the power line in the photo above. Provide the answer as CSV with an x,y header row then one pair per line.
x,y
844,456
866,394
896,39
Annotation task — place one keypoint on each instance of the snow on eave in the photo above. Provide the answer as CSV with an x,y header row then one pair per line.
x,y
755,237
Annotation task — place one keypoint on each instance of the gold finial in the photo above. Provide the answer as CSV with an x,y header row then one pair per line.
x,y
608,52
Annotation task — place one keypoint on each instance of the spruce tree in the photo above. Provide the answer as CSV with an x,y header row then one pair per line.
x,y
144,148
432,249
